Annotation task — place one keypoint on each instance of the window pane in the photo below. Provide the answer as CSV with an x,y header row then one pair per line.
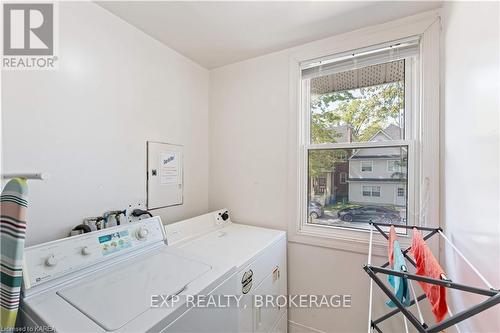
x,y
366,166
367,192
392,165
365,104
343,177
378,196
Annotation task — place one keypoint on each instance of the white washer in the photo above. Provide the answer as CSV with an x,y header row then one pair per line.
x,y
104,280
257,254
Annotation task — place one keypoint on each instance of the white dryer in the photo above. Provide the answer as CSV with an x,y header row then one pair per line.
x,y
258,257
104,281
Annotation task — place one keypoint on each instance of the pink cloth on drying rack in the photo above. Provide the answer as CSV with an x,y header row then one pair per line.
x,y
427,265
390,249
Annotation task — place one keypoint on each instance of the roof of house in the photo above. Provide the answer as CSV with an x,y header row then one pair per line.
x,y
342,132
393,131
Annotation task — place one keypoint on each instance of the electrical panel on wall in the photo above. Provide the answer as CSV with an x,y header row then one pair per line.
x,y
165,175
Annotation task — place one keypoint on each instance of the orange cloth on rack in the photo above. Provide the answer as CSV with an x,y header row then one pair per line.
x,y
427,265
390,249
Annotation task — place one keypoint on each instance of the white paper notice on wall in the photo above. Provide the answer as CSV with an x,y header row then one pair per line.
x,y
164,175
169,167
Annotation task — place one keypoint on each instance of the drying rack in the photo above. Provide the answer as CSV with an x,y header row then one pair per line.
x,y
419,323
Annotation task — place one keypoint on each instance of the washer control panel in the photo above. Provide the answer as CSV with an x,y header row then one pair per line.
x,y
52,260
114,242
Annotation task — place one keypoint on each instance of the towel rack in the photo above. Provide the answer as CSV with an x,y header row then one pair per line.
x,y
37,175
372,270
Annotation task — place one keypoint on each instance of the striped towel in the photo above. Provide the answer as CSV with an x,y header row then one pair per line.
x,y
13,205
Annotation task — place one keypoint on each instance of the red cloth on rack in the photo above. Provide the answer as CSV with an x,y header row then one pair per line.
x,y
390,249
427,265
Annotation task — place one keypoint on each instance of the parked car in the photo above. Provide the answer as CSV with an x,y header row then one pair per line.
x,y
315,209
369,214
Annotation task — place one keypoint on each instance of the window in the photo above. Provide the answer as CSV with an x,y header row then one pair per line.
x,y
371,191
393,166
366,166
359,112
342,155
320,185
343,178
367,191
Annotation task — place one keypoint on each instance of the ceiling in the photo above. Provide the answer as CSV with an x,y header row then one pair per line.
x,y
215,34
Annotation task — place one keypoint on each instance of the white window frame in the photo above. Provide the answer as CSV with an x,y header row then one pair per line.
x,y
424,148
345,178
361,166
411,104
397,191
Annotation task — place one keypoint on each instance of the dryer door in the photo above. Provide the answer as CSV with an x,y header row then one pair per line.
x,y
115,297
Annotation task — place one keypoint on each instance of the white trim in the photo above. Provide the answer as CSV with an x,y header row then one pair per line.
x,y
429,125
370,301
427,26
358,145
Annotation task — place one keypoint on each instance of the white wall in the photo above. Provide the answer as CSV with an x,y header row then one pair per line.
x,y
87,123
470,161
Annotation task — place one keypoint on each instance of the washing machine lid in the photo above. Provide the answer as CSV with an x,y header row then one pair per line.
x,y
115,297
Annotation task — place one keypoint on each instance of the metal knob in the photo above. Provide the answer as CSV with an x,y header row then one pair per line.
x,y
86,251
142,233
51,261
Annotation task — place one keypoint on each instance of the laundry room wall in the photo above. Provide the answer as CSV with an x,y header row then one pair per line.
x,y
470,159
249,164
87,123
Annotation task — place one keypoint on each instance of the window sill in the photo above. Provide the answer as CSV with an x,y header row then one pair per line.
x,y
344,239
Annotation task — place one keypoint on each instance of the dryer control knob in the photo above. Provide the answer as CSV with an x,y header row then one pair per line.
x,y
142,233
51,261
86,251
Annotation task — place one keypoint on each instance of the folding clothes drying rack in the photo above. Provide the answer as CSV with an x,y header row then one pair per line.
x,y
492,293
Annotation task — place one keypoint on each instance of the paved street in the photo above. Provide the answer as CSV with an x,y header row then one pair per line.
x,y
330,218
